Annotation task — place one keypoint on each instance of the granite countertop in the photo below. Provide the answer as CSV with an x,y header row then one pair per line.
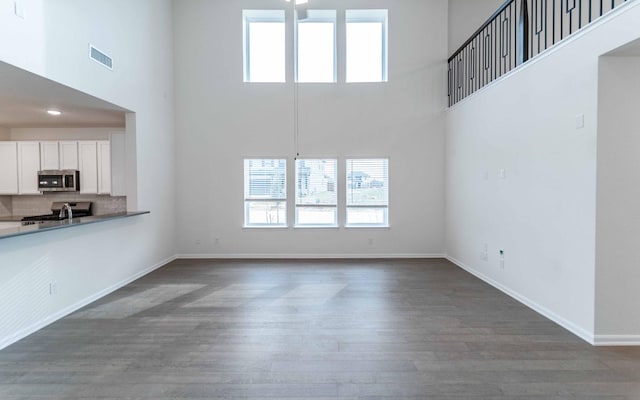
x,y
53,225
11,218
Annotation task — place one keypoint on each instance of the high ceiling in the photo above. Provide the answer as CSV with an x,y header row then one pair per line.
x,y
25,98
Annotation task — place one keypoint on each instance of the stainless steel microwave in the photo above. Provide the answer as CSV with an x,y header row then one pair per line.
x,y
59,180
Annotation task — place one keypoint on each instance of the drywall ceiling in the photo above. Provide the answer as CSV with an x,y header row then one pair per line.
x,y
631,49
25,97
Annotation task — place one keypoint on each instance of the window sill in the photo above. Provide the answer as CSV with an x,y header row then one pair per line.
x,y
367,226
265,227
316,227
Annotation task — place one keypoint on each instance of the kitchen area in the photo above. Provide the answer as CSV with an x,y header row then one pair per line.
x,y
62,156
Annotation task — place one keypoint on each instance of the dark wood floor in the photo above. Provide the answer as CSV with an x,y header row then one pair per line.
x,y
420,329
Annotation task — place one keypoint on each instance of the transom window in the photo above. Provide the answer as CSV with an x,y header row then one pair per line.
x,y
316,47
264,45
366,45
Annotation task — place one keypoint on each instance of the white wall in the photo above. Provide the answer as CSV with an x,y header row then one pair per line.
x,y
220,120
466,16
543,214
54,43
618,199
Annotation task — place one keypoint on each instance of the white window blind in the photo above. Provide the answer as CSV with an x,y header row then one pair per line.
x,y
316,47
366,45
316,192
367,192
264,45
265,192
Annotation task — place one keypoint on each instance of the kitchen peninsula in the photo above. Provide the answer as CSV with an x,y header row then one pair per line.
x,y
66,223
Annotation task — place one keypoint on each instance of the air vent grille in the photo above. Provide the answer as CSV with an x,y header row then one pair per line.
x,y
100,57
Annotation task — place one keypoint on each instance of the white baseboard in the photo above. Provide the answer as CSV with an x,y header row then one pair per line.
x,y
21,334
617,340
568,325
305,256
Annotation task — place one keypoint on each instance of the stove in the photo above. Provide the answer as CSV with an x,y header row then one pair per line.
x,y
78,209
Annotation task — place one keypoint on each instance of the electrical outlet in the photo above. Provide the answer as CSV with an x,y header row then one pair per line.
x,y
217,241
370,241
53,288
484,254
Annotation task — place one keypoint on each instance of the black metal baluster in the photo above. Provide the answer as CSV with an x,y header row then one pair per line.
x,y
579,14
570,11
523,26
546,24
553,22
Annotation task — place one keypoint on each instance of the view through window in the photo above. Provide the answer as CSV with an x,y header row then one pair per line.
x,y
316,192
367,192
265,192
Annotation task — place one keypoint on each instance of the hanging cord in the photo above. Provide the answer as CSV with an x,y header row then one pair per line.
x,y
296,94
296,120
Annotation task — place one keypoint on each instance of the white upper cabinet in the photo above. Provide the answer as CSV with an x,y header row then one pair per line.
x,y
118,164
69,155
88,163
21,161
104,167
8,168
28,167
49,156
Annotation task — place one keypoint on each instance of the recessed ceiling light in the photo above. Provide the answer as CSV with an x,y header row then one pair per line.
x,y
54,112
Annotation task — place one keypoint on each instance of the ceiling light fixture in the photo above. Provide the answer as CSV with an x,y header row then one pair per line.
x,y
298,2
55,113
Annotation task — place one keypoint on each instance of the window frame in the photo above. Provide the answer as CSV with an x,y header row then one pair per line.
x,y
315,16
297,206
268,16
248,200
368,15
385,223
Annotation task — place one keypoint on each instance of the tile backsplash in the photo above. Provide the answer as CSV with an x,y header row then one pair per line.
x,y
5,206
41,204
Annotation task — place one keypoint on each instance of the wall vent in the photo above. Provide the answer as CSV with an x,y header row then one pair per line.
x,y
100,57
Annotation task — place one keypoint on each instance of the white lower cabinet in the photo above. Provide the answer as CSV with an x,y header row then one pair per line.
x,y
28,167
8,168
